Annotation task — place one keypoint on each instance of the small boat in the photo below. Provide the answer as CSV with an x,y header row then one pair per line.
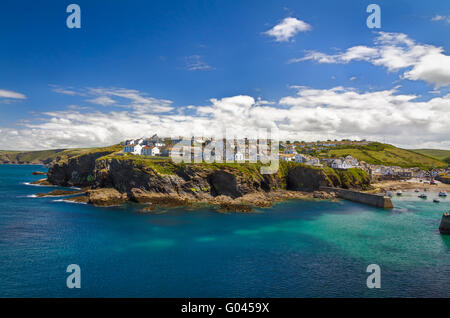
x,y
423,196
417,190
442,194
432,182
390,194
399,192
436,200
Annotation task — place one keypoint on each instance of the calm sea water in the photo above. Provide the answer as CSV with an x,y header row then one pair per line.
x,y
295,249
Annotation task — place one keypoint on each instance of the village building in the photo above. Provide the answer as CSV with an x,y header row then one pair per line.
x,y
299,158
238,156
287,157
150,151
133,149
289,150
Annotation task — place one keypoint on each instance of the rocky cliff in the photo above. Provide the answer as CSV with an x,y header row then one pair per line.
x,y
144,179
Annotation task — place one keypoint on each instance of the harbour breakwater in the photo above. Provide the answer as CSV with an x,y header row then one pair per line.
x,y
444,227
375,200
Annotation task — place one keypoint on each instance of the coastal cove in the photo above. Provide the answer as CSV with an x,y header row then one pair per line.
x,y
296,248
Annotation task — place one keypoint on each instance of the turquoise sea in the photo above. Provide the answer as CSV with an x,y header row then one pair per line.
x,y
294,249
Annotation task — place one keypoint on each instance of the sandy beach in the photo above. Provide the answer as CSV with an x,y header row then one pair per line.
x,y
411,184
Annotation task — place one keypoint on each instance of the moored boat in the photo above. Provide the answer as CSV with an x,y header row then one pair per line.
x,y
442,194
436,200
423,196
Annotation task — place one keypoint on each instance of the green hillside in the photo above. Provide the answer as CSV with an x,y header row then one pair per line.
x,y
443,155
47,156
384,154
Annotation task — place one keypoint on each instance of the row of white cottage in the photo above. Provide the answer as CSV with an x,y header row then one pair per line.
x,y
345,163
140,149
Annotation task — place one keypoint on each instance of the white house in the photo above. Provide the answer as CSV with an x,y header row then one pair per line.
x,y
336,164
352,161
150,151
238,156
300,158
134,149
341,164
313,162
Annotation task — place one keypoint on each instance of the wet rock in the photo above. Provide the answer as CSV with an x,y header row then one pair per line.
x,y
36,173
105,197
59,193
78,199
43,182
234,207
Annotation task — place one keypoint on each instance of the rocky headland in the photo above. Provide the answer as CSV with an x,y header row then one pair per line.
x,y
110,179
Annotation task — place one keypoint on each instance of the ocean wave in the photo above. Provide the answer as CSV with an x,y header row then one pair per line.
x,y
37,185
66,201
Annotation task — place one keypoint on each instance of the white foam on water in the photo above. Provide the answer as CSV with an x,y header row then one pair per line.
x,y
37,185
66,201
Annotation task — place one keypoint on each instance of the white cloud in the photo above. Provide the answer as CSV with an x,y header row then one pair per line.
x,y
102,100
395,51
10,94
310,114
121,97
287,29
195,63
64,91
445,18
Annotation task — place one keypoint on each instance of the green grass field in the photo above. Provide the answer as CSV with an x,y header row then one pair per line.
x,y
383,154
434,153
46,156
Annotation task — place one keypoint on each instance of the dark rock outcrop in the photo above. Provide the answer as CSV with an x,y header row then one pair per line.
x,y
301,179
76,171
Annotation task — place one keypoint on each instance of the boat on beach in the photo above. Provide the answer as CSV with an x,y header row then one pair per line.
x,y
417,190
399,192
423,196
442,194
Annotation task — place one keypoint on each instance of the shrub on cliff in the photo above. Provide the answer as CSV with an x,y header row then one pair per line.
x,y
354,178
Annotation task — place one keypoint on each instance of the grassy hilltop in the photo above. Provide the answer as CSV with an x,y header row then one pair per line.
x,y
385,154
47,156
443,155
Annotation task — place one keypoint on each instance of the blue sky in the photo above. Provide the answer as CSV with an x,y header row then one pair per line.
x,y
199,59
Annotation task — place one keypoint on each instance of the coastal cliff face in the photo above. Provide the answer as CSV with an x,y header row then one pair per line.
x,y
76,171
133,178
199,181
